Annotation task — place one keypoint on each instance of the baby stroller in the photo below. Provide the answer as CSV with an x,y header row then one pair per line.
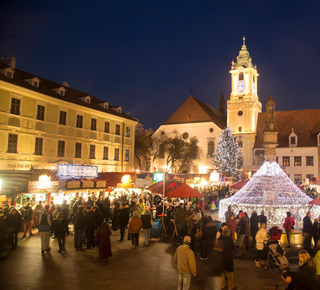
x,y
276,257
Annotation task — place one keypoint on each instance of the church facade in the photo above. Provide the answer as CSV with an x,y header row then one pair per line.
x,y
294,134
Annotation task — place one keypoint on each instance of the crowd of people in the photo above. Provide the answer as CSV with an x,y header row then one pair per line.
x,y
94,219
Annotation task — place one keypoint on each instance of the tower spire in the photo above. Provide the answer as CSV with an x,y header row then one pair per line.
x,y
244,39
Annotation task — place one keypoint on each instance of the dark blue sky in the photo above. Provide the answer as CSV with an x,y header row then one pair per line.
x,y
144,55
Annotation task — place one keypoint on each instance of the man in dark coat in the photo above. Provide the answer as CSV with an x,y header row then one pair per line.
x,y
98,215
90,227
79,222
300,281
262,218
180,221
123,219
14,224
307,232
254,227
228,252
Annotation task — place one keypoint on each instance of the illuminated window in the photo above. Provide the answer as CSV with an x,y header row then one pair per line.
x,y
105,153
93,124
40,113
286,161
309,160
241,76
79,121
38,146
297,160
126,155
78,150
106,127
61,145
116,154
210,149
128,132
298,178
92,152
117,129
63,118
15,106
12,143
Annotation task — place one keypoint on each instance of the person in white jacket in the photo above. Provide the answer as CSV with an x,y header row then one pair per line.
x,y
261,238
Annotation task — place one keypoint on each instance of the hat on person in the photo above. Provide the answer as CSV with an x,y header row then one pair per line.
x,y
187,240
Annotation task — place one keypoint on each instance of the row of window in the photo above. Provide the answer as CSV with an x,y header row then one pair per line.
x,y
13,144
297,161
15,109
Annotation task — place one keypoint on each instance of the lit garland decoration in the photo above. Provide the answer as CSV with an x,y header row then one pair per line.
x,y
77,171
271,190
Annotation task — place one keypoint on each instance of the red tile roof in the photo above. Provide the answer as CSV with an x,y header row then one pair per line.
x,y
194,111
305,124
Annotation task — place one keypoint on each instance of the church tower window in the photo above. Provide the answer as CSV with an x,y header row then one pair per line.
x,y
210,149
241,76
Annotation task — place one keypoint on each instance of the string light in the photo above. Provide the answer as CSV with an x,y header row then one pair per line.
x,y
77,171
272,191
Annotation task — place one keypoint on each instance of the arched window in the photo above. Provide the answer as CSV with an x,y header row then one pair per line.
x,y
240,143
210,149
241,76
161,151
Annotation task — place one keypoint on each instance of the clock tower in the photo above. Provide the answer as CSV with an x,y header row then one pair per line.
x,y
244,105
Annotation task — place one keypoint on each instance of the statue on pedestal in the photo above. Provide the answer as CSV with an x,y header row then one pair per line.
x,y
270,107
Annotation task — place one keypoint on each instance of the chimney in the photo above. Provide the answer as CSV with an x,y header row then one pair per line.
x,y
9,60
222,104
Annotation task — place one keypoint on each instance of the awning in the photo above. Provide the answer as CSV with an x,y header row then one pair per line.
x,y
14,181
240,184
53,174
174,189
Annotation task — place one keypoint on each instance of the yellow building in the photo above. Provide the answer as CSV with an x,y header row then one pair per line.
x,y
244,106
43,123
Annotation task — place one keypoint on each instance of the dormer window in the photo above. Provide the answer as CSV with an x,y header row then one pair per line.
x,y
86,99
33,82
118,109
8,72
104,105
293,139
61,91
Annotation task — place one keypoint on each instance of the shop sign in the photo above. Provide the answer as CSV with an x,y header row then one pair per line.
x,y
73,184
43,186
158,176
140,182
87,183
101,183
77,171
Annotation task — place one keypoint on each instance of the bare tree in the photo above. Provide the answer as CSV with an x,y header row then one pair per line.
x,y
143,147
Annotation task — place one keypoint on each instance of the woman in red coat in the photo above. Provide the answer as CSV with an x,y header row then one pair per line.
x,y
104,243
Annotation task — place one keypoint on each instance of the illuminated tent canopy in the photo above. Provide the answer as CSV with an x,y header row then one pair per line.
x,y
271,190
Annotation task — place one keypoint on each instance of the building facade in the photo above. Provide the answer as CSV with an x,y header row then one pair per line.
x,y
43,123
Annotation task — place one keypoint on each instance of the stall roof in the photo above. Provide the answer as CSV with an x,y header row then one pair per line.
x,y
113,177
15,181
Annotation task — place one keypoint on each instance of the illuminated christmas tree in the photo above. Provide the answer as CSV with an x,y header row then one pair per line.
x,y
227,158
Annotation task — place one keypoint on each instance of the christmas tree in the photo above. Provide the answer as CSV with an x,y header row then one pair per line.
x,y
227,158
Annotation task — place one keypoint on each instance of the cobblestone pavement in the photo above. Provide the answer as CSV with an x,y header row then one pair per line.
x,y
149,267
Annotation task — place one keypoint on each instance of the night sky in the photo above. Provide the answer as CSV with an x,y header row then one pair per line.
x,y
144,55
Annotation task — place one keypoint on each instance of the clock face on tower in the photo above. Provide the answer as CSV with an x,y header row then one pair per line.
x,y
240,86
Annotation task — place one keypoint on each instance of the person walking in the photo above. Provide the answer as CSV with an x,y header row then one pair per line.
x,y
254,227
79,222
307,232
123,219
147,222
26,213
135,226
209,231
104,243
261,237
186,264
289,226
45,220
60,229
242,230
14,221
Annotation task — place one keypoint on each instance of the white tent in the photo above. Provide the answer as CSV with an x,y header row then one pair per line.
x,y
271,190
